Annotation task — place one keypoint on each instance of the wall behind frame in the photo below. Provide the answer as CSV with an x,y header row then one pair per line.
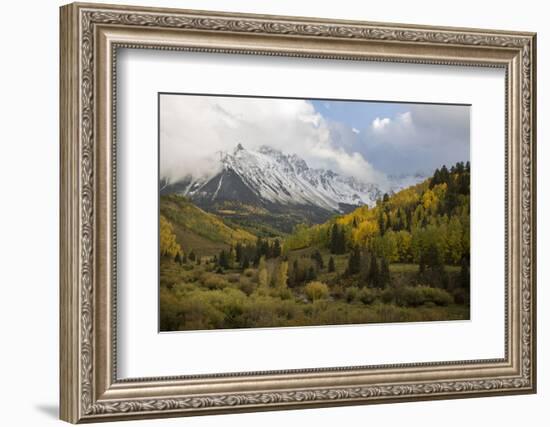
x,y
29,171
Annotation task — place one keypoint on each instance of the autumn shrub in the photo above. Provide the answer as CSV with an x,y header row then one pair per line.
x,y
367,296
316,290
351,293
436,295
246,285
249,272
213,281
233,278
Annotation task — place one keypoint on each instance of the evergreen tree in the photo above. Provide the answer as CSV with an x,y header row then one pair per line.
x,y
384,273
223,260
434,259
422,264
331,266
373,276
192,256
311,274
238,252
444,174
354,261
276,249
246,264
342,241
464,273
318,258
294,276
334,239
436,179
177,258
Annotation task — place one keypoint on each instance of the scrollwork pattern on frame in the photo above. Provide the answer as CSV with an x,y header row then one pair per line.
x,y
90,18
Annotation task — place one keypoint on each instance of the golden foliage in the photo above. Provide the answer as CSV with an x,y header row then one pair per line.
x,y
168,244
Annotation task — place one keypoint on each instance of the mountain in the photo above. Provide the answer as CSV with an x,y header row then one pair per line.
x,y
267,176
280,188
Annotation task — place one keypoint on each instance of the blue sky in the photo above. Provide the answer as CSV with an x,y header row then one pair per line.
x,y
400,138
357,114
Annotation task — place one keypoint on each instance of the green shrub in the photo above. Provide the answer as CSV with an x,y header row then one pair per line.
x,y
233,278
246,285
437,296
212,281
351,293
367,296
316,291
249,272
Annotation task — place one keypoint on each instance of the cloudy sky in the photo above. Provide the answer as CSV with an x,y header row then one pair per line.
x,y
367,140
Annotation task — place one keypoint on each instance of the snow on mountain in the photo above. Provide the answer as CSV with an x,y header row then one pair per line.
x,y
269,176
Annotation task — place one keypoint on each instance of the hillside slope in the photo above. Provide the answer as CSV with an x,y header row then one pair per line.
x,y
197,229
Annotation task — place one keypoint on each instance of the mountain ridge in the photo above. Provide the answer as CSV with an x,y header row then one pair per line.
x,y
272,179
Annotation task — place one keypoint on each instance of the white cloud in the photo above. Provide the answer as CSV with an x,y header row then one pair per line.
x,y
355,131
421,139
379,124
405,118
194,129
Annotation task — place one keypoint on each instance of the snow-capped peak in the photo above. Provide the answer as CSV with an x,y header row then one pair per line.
x,y
285,179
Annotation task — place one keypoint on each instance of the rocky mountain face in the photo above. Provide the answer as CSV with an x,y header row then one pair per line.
x,y
271,179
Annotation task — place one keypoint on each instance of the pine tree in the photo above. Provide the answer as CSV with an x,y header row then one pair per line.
x,y
294,277
334,239
342,241
444,174
384,273
318,258
331,266
311,274
238,252
192,256
354,261
223,260
373,276
177,258
276,251
464,273
246,263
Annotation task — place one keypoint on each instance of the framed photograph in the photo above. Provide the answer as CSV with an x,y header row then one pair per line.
x,y
265,212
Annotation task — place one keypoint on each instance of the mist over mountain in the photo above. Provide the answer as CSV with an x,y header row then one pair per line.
x,y
271,179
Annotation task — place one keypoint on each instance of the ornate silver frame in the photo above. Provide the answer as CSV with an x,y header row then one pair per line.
x,y
90,35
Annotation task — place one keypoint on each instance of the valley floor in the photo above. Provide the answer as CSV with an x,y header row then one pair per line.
x,y
199,296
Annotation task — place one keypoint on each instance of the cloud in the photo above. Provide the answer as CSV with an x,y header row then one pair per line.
x,y
356,131
195,129
419,140
378,124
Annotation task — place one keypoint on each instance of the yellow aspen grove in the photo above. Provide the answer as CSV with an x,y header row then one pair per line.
x,y
282,275
168,244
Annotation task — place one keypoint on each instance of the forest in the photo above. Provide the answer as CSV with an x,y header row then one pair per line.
x,y
405,259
